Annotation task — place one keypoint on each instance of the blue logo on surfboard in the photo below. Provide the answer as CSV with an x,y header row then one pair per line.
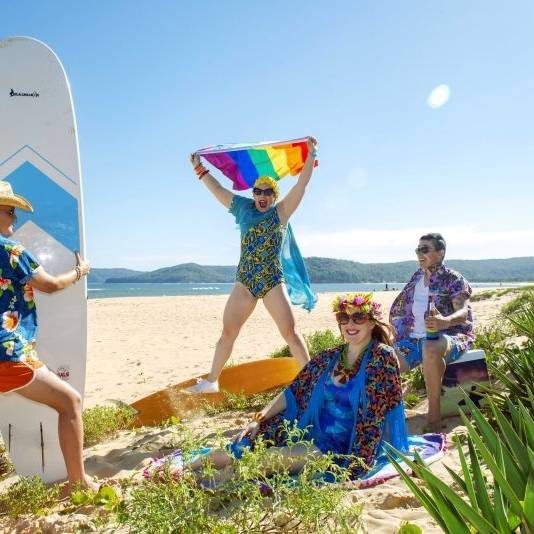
x,y
55,210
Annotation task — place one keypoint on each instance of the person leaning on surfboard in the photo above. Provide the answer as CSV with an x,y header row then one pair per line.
x,y
264,264
21,371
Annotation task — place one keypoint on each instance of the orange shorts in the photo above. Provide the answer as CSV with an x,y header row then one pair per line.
x,y
16,375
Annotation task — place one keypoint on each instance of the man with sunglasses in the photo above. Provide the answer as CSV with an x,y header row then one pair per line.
x,y
445,293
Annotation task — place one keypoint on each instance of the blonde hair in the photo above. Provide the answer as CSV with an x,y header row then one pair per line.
x,y
267,180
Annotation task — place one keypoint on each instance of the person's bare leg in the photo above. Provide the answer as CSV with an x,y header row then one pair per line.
x,y
277,304
277,459
222,468
291,458
48,389
433,370
238,308
219,458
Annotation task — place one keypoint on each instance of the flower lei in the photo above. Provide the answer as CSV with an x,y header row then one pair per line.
x,y
359,302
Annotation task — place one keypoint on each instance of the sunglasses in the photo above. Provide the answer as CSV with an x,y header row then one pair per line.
x,y
269,192
423,249
10,212
357,318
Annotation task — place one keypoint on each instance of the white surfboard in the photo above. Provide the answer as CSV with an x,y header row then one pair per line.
x,y
39,157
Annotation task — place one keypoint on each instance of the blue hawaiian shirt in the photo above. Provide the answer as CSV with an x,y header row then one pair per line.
x,y
18,326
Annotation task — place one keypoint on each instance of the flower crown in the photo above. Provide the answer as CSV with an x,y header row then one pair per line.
x,y
359,302
268,181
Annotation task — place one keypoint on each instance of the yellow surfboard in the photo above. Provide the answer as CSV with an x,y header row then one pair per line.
x,y
247,378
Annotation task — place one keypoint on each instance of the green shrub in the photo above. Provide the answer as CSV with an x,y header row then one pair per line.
x,y
508,453
239,402
411,400
282,352
248,501
28,496
524,300
103,422
410,528
6,466
317,342
502,440
514,368
414,380
496,293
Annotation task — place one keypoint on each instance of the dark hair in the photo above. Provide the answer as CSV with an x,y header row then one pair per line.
x,y
383,332
437,240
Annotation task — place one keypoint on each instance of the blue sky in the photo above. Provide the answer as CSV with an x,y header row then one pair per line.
x,y
153,81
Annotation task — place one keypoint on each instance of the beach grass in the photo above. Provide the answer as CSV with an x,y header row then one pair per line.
x,y
496,293
239,402
29,495
317,342
248,501
103,422
6,466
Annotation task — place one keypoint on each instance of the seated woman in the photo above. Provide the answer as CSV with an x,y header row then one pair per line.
x,y
348,399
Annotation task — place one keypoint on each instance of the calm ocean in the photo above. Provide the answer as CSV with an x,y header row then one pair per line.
x,y
103,291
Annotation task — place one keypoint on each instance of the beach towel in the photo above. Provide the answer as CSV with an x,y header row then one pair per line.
x,y
430,447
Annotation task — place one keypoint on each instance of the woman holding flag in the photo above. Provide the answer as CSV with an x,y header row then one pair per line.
x,y
269,258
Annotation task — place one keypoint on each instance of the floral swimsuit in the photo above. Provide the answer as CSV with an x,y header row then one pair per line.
x,y
260,264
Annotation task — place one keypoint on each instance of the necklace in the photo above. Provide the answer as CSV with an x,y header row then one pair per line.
x,y
343,370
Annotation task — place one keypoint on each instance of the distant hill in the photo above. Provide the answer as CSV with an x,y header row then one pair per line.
x,y
185,272
328,270
97,275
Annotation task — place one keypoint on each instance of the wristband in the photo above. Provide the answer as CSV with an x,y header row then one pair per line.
x,y
258,417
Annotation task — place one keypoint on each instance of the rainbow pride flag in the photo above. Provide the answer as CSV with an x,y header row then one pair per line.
x,y
243,164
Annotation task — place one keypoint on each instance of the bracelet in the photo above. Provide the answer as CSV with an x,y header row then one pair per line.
x,y
78,273
203,174
258,417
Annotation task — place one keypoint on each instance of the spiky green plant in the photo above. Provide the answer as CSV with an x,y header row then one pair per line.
x,y
502,440
513,369
508,453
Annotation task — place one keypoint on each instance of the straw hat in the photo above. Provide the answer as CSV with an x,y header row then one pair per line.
x,y
8,198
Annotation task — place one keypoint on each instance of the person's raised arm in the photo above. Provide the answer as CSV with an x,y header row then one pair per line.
x,y
47,283
287,206
223,195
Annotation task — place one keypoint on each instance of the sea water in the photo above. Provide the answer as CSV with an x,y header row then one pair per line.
x,y
103,290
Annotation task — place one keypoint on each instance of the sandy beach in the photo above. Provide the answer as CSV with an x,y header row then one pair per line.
x,y
140,345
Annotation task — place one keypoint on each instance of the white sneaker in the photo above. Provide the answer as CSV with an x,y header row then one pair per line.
x,y
204,386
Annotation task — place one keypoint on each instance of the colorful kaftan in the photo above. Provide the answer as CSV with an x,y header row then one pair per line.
x,y
375,404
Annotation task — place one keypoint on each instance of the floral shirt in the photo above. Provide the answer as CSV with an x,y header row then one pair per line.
x,y
18,326
445,284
